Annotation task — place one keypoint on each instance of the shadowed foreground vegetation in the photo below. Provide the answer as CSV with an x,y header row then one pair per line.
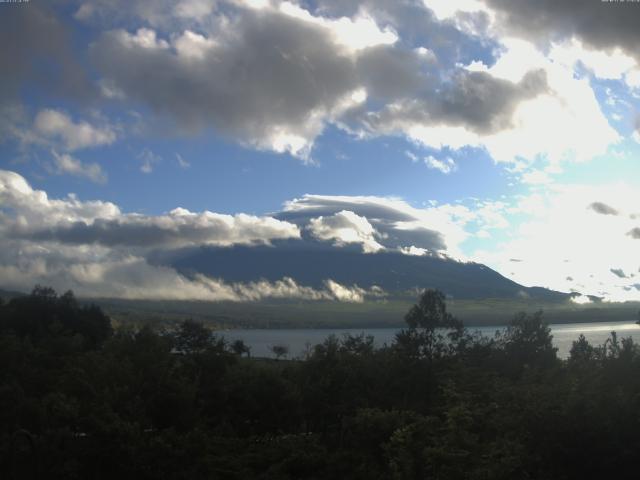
x,y
79,400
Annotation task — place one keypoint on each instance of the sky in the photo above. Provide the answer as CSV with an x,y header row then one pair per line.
x,y
494,131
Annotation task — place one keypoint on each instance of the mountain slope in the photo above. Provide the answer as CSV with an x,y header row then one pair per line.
x,y
393,272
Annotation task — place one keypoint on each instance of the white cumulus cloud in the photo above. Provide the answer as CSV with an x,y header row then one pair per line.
x,y
66,164
345,227
446,165
58,127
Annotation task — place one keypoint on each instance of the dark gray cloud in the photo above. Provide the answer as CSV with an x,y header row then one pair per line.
x,y
154,13
474,100
391,72
273,81
167,231
603,208
266,77
485,104
598,24
35,50
634,233
618,272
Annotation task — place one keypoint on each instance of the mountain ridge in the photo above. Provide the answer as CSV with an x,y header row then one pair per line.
x,y
394,272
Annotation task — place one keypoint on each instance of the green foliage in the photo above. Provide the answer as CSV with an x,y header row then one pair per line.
x,y
527,342
80,401
43,316
431,312
194,337
433,332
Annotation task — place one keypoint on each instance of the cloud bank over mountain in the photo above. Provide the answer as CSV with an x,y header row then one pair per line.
x,y
95,248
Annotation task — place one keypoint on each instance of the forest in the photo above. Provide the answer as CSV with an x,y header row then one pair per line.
x,y
80,399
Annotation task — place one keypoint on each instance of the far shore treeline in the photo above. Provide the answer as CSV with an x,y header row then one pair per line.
x,y
84,398
387,312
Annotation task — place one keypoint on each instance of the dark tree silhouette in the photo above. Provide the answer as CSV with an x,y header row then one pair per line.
x,y
431,312
43,315
240,348
528,341
193,337
279,351
433,332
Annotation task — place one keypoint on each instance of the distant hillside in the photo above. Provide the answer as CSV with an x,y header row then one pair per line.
x,y
9,294
394,272
369,314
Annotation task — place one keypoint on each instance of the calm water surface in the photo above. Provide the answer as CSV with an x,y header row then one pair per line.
x,y
298,340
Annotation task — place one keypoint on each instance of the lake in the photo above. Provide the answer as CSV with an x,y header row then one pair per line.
x,y
297,340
